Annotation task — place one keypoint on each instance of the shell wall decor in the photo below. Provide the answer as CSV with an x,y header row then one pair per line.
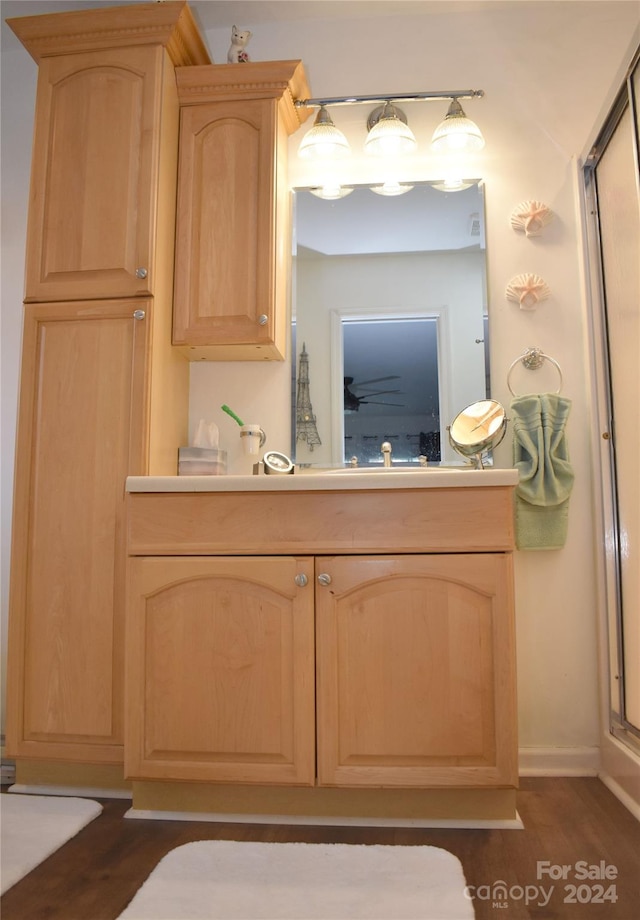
x,y
531,217
527,291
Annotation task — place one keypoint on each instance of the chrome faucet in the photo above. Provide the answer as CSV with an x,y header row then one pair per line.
x,y
386,454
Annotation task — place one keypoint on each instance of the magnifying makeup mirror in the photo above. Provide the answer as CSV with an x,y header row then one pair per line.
x,y
478,429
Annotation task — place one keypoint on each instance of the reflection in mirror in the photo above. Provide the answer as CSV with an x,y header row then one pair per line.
x,y
390,332
401,403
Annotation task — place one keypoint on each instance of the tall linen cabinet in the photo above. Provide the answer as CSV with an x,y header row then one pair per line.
x,y
103,394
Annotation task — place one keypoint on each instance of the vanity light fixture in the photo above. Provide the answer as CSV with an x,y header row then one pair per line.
x,y
389,133
456,132
324,141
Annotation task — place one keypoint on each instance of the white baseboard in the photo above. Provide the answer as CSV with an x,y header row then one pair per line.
x,y
620,772
559,761
622,795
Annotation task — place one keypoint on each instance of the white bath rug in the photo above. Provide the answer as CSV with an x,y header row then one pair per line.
x,y
226,880
33,827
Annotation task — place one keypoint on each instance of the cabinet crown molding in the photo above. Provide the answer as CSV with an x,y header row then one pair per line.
x,y
281,80
169,24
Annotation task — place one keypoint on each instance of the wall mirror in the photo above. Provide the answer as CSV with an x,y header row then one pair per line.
x,y
390,326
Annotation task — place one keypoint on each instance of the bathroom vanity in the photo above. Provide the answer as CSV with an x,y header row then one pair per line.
x,y
322,632
335,643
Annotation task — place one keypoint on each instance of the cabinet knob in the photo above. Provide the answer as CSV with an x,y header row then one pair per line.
x,y
324,579
301,580
139,314
263,319
141,273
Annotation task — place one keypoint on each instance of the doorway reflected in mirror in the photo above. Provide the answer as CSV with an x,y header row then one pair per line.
x,y
401,403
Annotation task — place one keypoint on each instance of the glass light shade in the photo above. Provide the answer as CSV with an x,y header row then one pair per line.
x,y
456,132
452,184
331,192
390,136
391,188
324,141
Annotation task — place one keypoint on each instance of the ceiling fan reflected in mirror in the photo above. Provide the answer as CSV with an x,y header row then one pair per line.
x,y
352,401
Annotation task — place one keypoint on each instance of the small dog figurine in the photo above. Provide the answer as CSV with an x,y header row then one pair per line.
x,y
236,53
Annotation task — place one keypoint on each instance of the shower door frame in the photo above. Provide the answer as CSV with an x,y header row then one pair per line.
x,y
614,667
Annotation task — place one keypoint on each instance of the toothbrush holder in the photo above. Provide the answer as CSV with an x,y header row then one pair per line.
x,y
253,438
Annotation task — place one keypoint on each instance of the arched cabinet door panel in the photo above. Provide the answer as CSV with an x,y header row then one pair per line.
x,y
220,670
94,175
233,220
103,172
416,682
225,202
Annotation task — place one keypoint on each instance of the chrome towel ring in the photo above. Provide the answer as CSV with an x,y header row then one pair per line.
x,y
533,358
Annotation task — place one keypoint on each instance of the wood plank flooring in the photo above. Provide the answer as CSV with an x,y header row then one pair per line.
x,y
567,820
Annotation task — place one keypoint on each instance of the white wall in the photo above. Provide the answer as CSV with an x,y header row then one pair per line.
x,y
548,70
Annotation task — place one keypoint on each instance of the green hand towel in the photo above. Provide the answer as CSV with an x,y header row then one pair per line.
x,y
541,456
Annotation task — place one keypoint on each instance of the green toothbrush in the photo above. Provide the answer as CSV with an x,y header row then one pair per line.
x,y
233,415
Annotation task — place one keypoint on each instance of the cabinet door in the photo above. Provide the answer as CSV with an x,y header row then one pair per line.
x,y
220,670
416,682
79,435
94,175
226,230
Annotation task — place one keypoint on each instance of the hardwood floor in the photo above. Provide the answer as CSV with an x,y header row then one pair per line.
x,y
567,820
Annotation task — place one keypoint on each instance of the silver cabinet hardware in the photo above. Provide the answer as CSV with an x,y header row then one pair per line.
x,y
324,579
301,580
141,273
139,314
263,319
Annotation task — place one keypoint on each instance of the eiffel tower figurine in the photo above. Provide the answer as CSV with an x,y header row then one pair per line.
x,y
305,419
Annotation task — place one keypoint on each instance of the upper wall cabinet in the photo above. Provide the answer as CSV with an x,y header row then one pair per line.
x,y
233,220
106,99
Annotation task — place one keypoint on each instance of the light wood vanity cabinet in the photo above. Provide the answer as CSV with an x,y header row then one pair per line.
x,y
411,654
82,408
102,197
415,671
233,221
221,674
103,394
94,158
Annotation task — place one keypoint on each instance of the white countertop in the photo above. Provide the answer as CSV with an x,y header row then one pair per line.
x,y
330,480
